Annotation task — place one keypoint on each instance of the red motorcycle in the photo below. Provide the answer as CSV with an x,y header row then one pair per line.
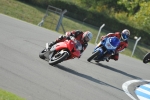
x,y
69,49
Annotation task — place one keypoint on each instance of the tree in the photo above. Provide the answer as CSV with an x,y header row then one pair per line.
x,y
143,16
132,6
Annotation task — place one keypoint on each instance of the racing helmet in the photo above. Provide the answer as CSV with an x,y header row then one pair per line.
x,y
125,34
87,36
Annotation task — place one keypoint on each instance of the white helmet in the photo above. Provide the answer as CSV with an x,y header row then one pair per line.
x,y
125,34
87,36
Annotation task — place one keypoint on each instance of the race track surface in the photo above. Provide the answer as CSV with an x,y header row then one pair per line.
x,y
25,74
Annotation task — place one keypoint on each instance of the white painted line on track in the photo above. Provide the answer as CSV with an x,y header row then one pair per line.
x,y
144,91
142,98
147,85
126,84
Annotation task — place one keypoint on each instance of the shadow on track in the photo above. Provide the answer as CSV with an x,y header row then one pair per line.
x,y
84,76
118,71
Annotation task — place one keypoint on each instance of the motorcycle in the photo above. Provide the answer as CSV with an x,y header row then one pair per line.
x,y
106,47
146,58
62,51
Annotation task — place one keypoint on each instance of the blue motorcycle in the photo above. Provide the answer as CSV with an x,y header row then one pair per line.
x,y
106,47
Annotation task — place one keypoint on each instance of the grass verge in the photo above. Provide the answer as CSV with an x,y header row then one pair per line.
x,y
4,95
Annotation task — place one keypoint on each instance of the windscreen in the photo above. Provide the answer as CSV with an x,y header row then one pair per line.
x,y
114,41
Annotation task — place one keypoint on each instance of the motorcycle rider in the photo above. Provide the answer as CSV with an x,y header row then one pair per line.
x,y
82,37
123,36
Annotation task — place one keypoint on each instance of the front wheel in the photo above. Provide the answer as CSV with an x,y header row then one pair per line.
x,y
146,58
93,56
58,57
41,54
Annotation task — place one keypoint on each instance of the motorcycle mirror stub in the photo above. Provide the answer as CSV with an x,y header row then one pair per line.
x,y
47,45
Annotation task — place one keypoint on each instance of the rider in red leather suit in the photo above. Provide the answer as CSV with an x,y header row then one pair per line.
x,y
123,36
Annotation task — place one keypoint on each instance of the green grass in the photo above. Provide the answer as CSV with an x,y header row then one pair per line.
x,y
4,95
34,15
21,11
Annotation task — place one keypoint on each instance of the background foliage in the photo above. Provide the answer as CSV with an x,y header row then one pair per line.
x,y
116,14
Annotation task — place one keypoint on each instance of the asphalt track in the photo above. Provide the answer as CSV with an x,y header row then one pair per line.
x,y
25,74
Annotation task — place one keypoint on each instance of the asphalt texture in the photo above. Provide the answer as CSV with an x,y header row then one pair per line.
x,y
22,72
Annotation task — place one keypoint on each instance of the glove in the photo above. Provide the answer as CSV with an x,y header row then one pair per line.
x,y
102,38
68,37
79,57
72,38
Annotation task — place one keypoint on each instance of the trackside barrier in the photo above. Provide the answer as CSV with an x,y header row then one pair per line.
x,y
137,39
99,33
60,19
54,10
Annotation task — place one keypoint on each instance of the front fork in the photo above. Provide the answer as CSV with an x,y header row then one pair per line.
x,y
103,54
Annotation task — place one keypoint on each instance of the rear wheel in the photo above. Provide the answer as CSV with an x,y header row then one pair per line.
x,y
41,54
58,57
93,56
146,58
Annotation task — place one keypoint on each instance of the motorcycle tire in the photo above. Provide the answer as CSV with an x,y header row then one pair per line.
x,y
146,58
60,59
41,54
93,56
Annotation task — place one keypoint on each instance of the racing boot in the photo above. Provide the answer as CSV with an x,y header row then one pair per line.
x,y
52,43
97,61
107,59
